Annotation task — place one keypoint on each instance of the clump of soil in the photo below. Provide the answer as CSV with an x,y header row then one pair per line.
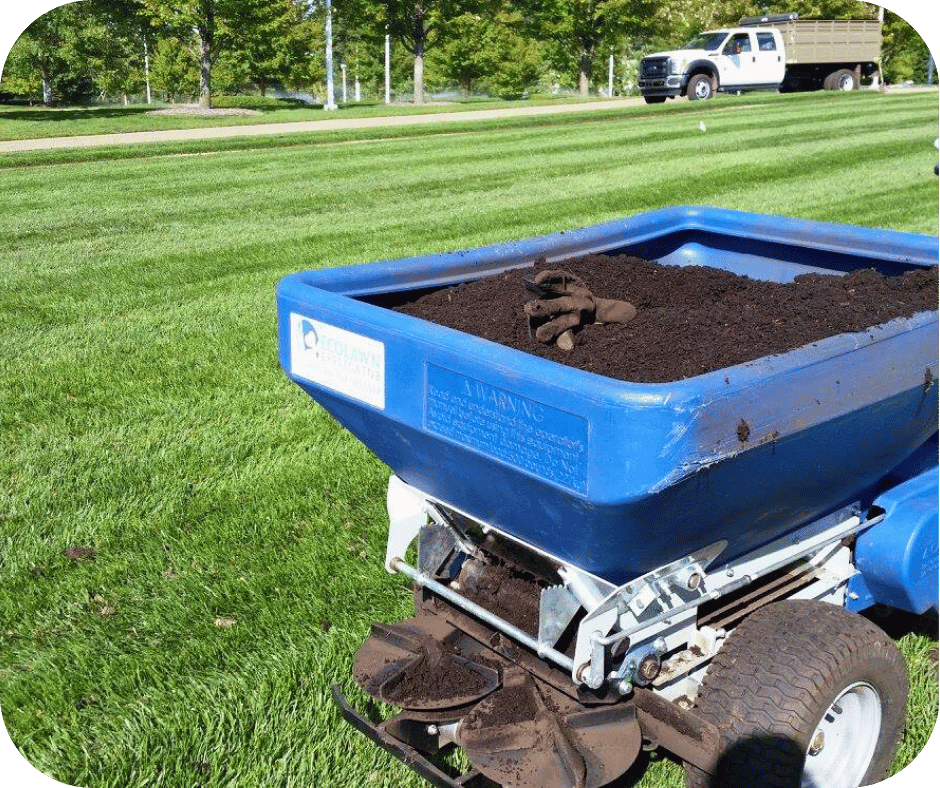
x,y
511,594
691,320
446,678
80,553
512,705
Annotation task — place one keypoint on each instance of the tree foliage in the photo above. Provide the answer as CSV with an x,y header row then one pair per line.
x,y
49,54
102,48
493,49
581,30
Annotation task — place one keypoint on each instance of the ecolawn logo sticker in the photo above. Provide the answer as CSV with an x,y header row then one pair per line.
x,y
337,359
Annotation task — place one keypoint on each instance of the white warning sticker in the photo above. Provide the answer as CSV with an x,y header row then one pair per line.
x,y
341,360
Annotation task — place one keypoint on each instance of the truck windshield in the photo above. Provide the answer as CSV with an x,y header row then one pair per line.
x,y
708,41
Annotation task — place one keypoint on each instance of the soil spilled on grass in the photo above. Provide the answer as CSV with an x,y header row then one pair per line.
x,y
691,320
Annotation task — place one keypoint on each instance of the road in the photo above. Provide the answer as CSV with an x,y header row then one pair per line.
x,y
328,124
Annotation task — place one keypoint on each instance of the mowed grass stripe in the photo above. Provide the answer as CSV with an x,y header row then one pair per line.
x,y
143,412
303,204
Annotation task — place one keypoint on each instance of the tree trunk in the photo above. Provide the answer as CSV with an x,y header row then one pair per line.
x,y
584,80
205,74
419,72
47,97
206,44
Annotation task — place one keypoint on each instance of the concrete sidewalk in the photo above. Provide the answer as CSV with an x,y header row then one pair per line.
x,y
331,124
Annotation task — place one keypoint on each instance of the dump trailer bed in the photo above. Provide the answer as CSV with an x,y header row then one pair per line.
x,y
611,476
828,40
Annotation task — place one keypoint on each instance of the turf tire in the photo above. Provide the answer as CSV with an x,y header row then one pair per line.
x,y
777,675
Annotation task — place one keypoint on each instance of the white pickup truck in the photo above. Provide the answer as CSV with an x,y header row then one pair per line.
x,y
780,52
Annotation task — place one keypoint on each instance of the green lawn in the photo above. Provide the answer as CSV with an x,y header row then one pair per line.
x,y
238,530
24,122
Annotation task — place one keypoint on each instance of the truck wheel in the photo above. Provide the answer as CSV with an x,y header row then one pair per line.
x,y
843,79
846,80
804,693
700,88
654,99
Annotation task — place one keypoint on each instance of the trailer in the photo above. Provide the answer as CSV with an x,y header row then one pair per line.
x,y
776,52
603,567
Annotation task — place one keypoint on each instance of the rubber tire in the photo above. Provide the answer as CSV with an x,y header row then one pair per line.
x,y
837,78
840,80
654,99
775,677
691,88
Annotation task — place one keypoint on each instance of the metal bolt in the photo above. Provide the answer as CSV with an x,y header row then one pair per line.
x,y
433,730
730,573
624,687
579,673
694,581
649,668
817,744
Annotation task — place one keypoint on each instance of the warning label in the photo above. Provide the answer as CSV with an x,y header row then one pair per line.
x,y
530,435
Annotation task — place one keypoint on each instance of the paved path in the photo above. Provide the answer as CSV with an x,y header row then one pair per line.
x,y
330,124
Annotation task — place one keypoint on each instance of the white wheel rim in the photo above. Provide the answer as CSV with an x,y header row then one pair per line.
x,y
846,83
703,90
844,741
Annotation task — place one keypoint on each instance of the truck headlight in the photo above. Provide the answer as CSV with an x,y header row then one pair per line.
x,y
677,66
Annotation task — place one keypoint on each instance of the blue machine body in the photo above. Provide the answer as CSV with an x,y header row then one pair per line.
x,y
618,477
897,559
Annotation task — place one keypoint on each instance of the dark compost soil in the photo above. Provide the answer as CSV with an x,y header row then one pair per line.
x,y
691,320
444,679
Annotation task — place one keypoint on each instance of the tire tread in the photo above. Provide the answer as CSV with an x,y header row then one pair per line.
x,y
775,675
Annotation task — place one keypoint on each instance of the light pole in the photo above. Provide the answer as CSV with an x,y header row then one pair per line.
x,y
330,101
388,66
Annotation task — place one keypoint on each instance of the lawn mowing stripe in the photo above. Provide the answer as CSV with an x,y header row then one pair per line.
x,y
144,413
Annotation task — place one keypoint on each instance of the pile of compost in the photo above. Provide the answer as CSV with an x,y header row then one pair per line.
x,y
690,320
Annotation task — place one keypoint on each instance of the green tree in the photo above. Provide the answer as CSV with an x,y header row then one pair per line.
x,y
118,47
904,52
580,30
174,72
417,24
217,24
512,60
48,54
279,43
20,78
463,56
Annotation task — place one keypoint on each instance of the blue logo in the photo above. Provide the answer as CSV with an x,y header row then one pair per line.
x,y
310,338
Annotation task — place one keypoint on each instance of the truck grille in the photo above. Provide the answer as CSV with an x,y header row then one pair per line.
x,y
654,67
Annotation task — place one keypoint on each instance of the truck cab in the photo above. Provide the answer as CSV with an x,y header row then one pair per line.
x,y
733,59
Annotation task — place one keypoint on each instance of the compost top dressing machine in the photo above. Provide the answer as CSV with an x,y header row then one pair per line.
x,y
604,567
